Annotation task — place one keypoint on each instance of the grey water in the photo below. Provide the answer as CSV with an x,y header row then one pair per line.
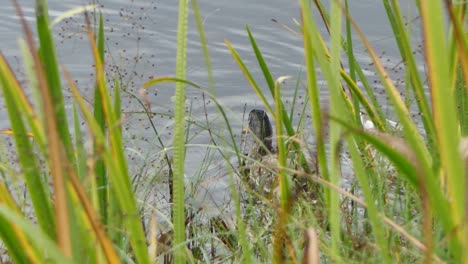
x,y
141,43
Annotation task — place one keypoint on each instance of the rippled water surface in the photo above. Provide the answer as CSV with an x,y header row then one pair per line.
x,y
141,43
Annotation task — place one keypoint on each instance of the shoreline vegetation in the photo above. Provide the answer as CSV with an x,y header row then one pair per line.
x,y
407,201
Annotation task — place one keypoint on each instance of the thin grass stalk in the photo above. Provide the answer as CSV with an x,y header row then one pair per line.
x,y
117,103
314,96
81,168
204,45
337,105
460,38
349,49
280,232
377,116
461,95
459,63
323,14
179,134
351,62
453,49
242,231
34,116
100,169
294,100
115,221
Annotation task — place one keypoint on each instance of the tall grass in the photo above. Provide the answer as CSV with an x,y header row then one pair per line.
x,y
422,161
407,202
65,213
179,135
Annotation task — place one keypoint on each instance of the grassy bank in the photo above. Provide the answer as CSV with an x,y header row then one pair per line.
x,y
406,199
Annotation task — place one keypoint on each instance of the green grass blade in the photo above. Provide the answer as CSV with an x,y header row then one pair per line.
x,y
72,12
294,100
246,252
58,137
179,135
262,63
19,247
405,49
232,136
337,108
114,158
331,71
271,84
457,16
100,170
445,116
414,139
278,246
17,251
204,45
115,222
348,46
377,226
49,59
35,235
79,146
269,79
80,195
313,92
29,164
359,96
34,114
249,77
117,102
409,128
375,113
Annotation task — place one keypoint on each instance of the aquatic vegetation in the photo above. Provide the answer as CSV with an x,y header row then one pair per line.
x,y
401,198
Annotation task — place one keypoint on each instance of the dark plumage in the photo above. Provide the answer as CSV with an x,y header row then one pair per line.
x,y
260,126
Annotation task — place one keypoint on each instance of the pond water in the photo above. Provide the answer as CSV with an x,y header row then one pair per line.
x,y
142,43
